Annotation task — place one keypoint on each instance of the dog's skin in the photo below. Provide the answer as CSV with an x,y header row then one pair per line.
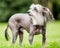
x,y
34,22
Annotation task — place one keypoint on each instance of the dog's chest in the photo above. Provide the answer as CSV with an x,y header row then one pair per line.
x,y
38,20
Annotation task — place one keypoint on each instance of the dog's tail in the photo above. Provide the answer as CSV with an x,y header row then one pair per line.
x,y
6,33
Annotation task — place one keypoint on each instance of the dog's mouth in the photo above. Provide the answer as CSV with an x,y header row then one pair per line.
x,y
29,14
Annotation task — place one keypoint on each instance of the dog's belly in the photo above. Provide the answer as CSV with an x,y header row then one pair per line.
x,y
38,33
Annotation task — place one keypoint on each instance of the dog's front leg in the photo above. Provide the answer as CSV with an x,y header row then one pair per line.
x,y
43,41
31,34
43,37
31,38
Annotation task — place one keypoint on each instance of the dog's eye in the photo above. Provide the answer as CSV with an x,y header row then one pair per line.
x,y
45,9
35,9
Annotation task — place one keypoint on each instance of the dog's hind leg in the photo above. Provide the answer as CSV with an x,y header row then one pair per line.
x,y
14,35
20,37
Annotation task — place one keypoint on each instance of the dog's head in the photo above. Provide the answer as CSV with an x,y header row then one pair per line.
x,y
40,14
34,9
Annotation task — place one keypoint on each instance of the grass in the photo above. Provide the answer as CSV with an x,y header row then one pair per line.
x,y
52,34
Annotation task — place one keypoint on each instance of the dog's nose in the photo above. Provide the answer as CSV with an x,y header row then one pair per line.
x,y
28,12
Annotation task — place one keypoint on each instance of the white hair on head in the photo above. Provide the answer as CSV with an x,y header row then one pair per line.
x,y
35,5
39,7
32,6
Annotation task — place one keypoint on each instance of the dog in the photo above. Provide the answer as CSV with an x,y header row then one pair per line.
x,y
34,22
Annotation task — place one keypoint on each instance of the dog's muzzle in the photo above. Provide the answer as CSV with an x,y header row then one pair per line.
x,y
29,14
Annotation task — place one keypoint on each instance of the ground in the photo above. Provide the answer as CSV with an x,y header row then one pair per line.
x,y
52,34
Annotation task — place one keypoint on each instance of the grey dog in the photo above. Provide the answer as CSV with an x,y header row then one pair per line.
x,y
34,22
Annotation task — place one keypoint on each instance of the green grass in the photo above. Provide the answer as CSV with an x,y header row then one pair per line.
x,y
52,34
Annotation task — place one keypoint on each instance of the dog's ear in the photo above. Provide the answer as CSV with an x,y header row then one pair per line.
x,y
48,13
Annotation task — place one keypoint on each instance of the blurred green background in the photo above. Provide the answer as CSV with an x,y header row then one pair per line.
x,y
10,7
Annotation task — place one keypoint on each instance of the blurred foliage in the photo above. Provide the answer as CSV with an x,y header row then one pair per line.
x,y
10,7
56,9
